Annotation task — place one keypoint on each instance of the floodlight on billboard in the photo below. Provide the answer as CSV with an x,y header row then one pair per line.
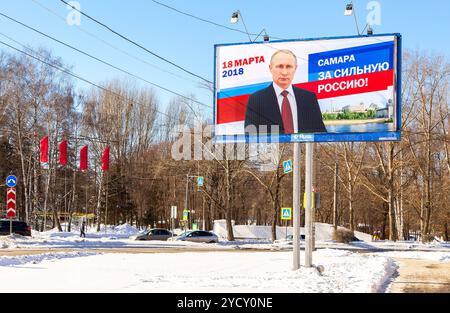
x,y
314,90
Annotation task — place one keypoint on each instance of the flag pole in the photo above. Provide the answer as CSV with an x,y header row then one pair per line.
x,y
106,203
65,198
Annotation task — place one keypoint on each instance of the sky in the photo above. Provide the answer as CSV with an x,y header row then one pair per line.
x,y
189,42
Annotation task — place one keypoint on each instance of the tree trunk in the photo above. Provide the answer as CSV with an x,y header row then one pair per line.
x,y
99,198
335,199
350,206
228,206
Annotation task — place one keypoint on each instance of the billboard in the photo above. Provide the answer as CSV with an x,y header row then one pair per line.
x,y
312,90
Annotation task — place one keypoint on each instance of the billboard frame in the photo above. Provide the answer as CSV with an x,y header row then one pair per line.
x,y
318,137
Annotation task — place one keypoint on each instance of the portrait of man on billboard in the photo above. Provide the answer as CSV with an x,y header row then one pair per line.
x,y
281,107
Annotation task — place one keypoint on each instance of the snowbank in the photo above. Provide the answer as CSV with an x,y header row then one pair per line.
x,y
34,259
324,232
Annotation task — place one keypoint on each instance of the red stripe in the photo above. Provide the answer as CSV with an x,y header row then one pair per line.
x,y
233,109
375,82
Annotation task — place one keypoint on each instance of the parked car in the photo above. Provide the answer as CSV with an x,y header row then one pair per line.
x,y
18,227
154,234
197,236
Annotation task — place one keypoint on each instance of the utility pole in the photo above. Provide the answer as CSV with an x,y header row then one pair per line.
x,y
186,199
308,209
296,207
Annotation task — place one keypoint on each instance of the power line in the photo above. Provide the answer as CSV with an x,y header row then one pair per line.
x,y
64,70
136,44
207,21
112,46
97,59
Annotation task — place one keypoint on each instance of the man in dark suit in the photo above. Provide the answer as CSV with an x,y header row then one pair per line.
x,y
281,107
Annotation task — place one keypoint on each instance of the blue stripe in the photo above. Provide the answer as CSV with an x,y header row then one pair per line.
x,y
364,55
330,137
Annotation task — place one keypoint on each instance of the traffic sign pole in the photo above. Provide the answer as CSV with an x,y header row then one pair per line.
x,y
296,207
11,205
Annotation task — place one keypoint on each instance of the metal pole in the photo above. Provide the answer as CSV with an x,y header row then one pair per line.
x,y
308,209
45,210
204,222
106,204
313,205
186,201
87,180
296,207
65,197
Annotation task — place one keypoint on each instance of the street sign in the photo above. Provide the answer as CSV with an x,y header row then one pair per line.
x,y
185,215
286,214
287,166
173,211
200,181
11,181
11,202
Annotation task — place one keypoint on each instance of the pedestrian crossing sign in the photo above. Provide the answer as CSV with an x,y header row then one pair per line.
x,y
185,215
286,214
287,166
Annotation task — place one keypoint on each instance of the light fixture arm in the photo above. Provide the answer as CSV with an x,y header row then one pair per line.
x,y
245,26
263,31
356,20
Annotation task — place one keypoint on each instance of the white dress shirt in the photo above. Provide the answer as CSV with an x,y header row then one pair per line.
x,y
292,102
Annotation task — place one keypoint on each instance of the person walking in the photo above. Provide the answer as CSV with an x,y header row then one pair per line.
x,y
83,229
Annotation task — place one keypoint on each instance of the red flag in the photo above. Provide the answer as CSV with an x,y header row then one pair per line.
x,y
84,158
44,150
63,153
105,159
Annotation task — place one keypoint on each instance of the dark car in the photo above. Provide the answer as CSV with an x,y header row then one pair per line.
x,y
18,227
154,234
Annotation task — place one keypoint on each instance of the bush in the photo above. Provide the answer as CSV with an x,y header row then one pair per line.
x,y
343,235
428,238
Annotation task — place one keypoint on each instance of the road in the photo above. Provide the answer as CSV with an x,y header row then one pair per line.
x,y
421,276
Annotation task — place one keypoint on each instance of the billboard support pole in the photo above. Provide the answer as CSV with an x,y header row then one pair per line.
x,y
308,209
296,207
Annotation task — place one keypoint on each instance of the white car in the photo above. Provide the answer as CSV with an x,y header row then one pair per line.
x,y
197,236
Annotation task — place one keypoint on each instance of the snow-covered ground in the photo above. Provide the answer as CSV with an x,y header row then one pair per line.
x,y
223,267
194,272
